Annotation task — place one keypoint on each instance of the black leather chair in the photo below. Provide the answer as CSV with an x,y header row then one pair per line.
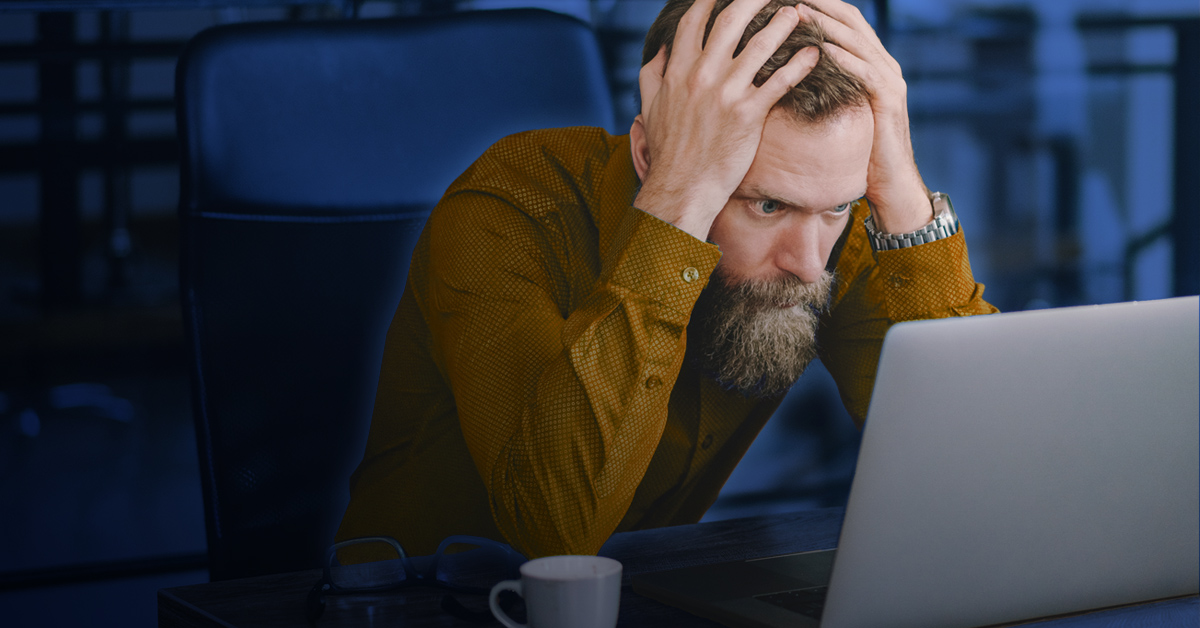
x,y
312,153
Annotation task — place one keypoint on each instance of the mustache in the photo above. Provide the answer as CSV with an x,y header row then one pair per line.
x,y
781,292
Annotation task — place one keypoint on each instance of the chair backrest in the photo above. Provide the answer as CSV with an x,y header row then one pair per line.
x,y
312,153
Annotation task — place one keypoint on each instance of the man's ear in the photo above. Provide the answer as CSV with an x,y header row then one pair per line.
x,y
639,147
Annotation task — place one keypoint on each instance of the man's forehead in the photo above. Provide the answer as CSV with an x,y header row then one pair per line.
x,y
811,165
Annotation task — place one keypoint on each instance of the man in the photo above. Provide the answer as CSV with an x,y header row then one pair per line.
x,y
595,328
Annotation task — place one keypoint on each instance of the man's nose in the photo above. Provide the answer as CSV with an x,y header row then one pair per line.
x,y
798,249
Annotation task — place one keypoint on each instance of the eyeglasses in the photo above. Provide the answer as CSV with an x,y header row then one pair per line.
x,y
462,564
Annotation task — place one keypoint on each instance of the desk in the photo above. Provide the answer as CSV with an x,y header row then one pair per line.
x,y
278,600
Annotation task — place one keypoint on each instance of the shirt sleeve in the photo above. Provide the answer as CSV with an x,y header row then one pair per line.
x,y
561,396
878,289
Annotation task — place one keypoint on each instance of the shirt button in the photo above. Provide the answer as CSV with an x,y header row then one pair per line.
x,y
690,274
707,442
653,382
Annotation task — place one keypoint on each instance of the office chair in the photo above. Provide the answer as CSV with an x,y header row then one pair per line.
x,y
312,154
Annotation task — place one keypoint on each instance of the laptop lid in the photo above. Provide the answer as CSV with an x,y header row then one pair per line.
x,y
1025,465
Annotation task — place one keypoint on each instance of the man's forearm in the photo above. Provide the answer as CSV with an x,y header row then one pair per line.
x,y
562,417
932,280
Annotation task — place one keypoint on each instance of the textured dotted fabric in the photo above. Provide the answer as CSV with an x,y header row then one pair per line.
x,y
534,387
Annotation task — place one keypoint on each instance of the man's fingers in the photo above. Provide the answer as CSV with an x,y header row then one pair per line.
x,y
765,44
788,76
843,34
650,78
729,26
847,14
689,34
854,65
849,30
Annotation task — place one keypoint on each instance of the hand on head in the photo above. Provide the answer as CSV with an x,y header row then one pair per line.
x,y
898,196
702,118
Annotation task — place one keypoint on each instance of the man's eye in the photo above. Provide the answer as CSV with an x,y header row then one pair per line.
x,y
843,207
767,207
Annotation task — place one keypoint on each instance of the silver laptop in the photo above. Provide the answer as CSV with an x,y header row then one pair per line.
x,y
1013,466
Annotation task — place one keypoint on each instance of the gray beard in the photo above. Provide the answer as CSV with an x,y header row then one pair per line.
x,y
741,337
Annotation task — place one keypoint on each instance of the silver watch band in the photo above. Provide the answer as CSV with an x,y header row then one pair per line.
x,y
944,225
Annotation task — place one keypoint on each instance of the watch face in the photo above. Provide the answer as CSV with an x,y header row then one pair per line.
x,y
942,206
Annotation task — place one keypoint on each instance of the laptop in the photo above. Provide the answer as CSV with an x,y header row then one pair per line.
x,y
1013,466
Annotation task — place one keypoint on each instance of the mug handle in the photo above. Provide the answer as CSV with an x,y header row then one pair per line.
x,y
494,604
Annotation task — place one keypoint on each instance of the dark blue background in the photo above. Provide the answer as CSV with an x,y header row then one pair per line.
x,y
1051,123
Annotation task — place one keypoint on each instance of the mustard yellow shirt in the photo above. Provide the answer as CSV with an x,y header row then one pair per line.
x,y
534,387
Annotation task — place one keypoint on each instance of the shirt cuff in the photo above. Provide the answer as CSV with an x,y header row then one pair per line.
x,y
656,259
920,280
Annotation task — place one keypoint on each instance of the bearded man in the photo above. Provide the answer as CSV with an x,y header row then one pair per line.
x,y
595,328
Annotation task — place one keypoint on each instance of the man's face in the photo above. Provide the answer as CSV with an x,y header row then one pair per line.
x,y
792,205
755,324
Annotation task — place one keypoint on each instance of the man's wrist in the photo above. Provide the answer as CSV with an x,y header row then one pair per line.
x,y
903,213
685,213
943,225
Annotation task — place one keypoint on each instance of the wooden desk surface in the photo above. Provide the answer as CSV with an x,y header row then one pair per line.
x,y
278,600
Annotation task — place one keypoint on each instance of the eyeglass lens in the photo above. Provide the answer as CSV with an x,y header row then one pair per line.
x,y
366,565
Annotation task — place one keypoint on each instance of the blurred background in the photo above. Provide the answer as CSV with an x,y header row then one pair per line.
x,y
1059,127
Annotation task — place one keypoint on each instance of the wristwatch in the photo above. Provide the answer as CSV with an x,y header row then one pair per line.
x,y
944,225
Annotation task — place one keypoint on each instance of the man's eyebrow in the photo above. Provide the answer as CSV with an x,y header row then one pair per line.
x,y
862,194
757,192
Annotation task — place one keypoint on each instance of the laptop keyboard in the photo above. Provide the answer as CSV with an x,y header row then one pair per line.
x,y
807,602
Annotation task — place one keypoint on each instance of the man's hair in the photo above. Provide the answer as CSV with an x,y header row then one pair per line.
x,y
828,89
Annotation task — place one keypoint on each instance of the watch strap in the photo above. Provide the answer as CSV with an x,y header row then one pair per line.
x,y
944,225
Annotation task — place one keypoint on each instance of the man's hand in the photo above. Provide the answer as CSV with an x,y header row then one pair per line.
x,y
702,119
898,196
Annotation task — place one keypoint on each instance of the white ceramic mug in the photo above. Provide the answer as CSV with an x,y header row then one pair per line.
x,y
565,592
